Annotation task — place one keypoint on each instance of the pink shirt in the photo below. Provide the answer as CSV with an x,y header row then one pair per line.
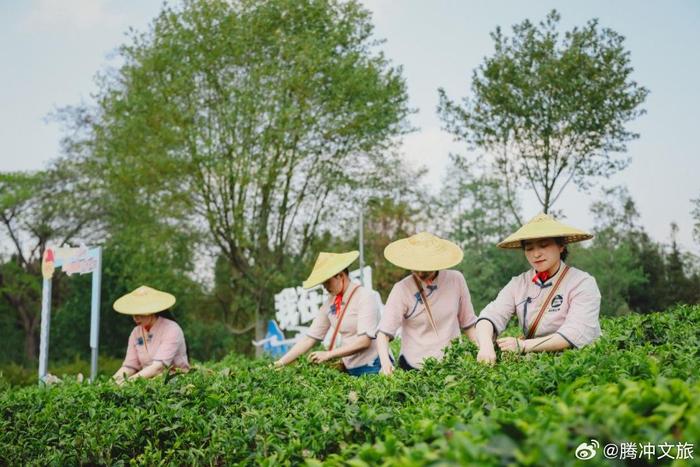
x,y
165,342
452,309
572,312
361,318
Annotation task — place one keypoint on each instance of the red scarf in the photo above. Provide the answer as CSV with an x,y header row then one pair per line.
x,y
542,276
148,328
338,302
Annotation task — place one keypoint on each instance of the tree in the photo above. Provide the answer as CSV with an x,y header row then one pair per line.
x,y
612,257
548,109
696,216
477,216
476,205
681,285
37,209
245,121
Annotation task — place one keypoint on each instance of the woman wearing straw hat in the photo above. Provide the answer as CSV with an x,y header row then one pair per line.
x,y
351,311
431,305
557,305
156,343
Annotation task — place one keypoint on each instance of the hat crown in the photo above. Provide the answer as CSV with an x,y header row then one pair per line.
x,y
324,258
425,239
542,217
142,291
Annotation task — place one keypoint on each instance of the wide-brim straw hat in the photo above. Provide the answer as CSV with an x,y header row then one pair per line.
x,y
144,301
328,265
423,252
544,226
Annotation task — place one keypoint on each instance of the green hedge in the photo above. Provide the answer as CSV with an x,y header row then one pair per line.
x,y
638,383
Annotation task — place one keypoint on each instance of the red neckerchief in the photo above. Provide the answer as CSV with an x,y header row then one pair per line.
x,y
338,302
430,281
339,299
148,328
541,276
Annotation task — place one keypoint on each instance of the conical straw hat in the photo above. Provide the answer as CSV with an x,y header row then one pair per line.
x,y
144,301
544,226
423,252
328,265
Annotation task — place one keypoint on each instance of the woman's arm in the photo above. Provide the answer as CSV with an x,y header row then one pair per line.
x,y
154,369
471,333
123,373
484,339
300,348
361,343
383,350
551,343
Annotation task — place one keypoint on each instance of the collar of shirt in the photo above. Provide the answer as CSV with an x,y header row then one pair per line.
x,y
543,279
153,326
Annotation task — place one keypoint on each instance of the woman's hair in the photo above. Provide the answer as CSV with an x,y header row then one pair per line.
x,y
345,271
561,241
166,314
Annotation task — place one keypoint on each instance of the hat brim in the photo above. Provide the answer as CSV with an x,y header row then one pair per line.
x,y
339,264
416,258
516,243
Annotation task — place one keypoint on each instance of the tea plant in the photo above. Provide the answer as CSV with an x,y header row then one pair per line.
x,y
638,383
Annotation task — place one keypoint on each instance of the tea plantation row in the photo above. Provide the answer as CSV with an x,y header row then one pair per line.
x,y
639,383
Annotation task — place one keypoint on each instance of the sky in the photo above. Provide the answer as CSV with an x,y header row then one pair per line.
x,y
51,51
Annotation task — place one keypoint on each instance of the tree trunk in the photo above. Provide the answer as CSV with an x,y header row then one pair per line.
x,y
30,344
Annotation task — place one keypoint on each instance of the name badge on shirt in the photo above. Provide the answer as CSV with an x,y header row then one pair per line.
x,y
556,303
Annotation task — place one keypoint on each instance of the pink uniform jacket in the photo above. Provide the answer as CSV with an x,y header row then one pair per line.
x,y
572,312
452,309
165,342
361,318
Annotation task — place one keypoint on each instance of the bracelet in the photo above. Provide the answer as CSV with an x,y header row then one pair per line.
x,y
521,351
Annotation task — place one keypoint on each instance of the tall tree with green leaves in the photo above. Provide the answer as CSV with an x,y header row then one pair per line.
x,y
248,121
36,210
477,215
549,109
696,217
612,258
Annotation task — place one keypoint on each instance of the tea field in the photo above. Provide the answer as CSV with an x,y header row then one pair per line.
x,y
638,385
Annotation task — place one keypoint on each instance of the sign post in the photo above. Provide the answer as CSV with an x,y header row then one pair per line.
x,y
95,312
79,260
45,325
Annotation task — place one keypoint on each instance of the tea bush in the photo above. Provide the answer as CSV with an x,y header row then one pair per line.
x,y
638,383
